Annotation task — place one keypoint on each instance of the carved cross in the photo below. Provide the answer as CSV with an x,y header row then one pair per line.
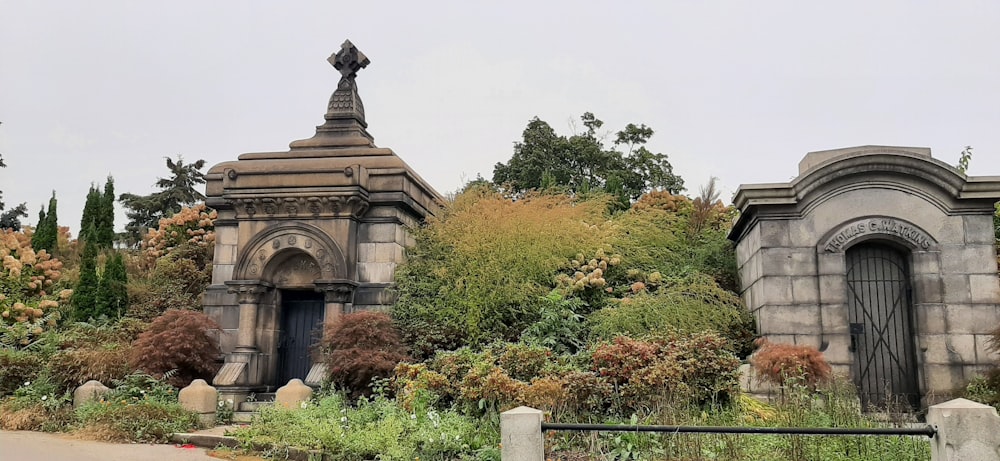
x,y
349,60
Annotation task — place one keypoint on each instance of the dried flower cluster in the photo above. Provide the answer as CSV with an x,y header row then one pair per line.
x,y
194,225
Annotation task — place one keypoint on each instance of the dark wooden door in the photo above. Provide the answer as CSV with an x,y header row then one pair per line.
x,y
301,328
880,316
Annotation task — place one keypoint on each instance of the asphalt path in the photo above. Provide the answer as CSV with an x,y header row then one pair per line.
x,y
39,446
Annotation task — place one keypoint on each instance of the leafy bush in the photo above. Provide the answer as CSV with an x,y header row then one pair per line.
x,y
985,389
689,305
177,340
694,367
16,368
146,420
360,347
374,429
559,326
480,267
787,364
36,405
176,281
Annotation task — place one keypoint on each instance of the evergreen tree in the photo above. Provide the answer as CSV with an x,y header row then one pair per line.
x,y
98,220
105,218
112,295
89,224
177,191
47,232
85,294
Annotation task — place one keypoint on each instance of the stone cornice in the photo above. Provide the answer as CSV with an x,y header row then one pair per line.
x,y
297,207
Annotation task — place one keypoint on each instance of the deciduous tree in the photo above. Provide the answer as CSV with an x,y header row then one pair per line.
x,y
582,162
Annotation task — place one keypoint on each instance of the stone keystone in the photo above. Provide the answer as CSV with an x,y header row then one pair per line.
x,y
90,390
293,394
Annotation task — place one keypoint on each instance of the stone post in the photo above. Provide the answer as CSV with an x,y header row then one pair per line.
x,y
337,294
200,398
965,430
90,390
292,395
521,435
248,294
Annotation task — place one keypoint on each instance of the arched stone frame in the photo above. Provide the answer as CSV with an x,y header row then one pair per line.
x,y
923,253
274,246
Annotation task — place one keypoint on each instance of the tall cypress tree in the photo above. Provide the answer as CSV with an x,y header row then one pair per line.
x,y
38,238
112,294
89,224
46,236
84,297
105,218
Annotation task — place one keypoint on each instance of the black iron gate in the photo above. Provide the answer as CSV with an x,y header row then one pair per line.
x,y
301,327
880,313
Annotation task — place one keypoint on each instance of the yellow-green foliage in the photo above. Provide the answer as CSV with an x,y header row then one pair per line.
x,y
689,305
480,267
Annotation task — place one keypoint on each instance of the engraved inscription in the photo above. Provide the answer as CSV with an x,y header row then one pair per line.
x,y
885,226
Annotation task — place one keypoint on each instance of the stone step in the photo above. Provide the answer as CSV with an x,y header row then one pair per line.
x,y
253,406
243,416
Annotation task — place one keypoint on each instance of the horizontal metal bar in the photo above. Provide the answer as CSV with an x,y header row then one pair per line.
x,y
928,431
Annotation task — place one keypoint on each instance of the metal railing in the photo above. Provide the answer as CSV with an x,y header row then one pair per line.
x,y
927,431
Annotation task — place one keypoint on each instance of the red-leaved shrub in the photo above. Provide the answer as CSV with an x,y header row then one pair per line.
x,y
360,347
177,340
699,367
783,364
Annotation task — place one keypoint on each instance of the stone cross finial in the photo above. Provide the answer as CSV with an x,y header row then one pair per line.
x,y
349,60
345,114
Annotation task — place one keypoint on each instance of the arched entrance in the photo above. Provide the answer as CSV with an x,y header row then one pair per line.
x,y
880,312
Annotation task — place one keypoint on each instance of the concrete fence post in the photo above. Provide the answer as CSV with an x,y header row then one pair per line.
x,y
521,435
965,430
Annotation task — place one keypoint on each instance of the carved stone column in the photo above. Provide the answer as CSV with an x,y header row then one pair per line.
x,y
248,294
337,294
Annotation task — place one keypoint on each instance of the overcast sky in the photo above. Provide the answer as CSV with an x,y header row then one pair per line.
x,y
737,90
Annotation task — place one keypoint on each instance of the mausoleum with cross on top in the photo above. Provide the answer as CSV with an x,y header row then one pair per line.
x,y
304,236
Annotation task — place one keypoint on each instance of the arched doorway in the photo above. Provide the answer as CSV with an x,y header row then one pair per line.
x,y
302,310
880,313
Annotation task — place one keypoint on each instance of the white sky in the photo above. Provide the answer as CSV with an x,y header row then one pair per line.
x,y
737,90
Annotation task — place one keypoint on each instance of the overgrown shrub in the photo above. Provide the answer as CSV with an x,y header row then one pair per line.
x,y
360,347
787,364
177,281
696,367
480,267
16,368
177,340
985,388
689,305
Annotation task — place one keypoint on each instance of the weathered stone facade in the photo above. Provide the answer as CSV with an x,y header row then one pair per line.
x,y
818,265
306,235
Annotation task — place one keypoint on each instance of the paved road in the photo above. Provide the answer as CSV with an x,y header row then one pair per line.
x,y
38,446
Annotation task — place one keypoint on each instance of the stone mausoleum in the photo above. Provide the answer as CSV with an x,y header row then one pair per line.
x,y
304,236
884,259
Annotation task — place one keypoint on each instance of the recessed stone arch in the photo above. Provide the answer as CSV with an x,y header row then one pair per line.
x,y
283,243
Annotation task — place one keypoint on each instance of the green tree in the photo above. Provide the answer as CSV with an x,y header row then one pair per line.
x,y
112,294
98,222
582,163
84,297
105,219
47,231
91,208
11,219
177,191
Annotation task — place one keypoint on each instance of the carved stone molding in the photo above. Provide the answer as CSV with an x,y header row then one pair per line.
x,y
328,206
247,291
337,291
